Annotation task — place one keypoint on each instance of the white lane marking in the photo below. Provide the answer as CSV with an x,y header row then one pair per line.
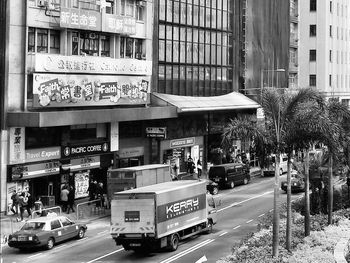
x,y
101,233
187,251
251,198
249,221
271,210
116,251
82,239
261,215
38,254
222,234
236,227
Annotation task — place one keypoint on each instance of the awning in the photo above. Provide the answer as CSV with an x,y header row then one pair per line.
x,y
231,101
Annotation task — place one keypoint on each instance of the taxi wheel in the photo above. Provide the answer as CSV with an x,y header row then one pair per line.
x,y
81,233
232,185
50,243
245,181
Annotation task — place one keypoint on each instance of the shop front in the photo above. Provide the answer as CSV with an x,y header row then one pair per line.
x,y
87,162
176,152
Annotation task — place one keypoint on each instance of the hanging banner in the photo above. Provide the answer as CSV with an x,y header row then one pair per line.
x,y
86,163
17,145
80,19
53,90
114,136
97,65
118,24
81,184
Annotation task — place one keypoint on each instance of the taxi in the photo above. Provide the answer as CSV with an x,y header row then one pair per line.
x,y
46,232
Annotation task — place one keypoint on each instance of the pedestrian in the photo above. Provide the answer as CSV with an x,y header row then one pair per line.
x,y
190,165
92,190
38,206
14,198
99,194
199,168
71,198
64,198
23,205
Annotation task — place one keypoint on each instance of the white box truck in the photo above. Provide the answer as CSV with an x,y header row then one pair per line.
x,y
133,177
160,215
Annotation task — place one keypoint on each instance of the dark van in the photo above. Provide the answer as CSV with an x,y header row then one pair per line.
x,y
230,174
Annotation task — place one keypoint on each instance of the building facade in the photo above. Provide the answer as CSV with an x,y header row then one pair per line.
x,y
324,39
294,44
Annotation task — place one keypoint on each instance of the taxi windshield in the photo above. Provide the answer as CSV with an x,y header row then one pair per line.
x,y
33,226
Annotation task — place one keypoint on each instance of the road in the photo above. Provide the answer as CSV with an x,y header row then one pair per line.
x,y
238,215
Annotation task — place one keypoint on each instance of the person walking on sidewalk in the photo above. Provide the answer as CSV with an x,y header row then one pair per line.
x,y
15,199
38,206
71,197
64,198
23,205
199,168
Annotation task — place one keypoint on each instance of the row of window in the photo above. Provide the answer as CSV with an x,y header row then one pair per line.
x,y
210,16
341,57
342,33
342,10
341,80
84,43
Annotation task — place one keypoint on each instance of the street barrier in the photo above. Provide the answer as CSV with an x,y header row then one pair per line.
x,y
46,211
6,228
90,209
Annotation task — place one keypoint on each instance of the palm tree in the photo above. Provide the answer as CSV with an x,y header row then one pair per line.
x,y
280,109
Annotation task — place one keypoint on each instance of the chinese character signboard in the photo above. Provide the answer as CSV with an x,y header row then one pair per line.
x,y
80,19
53,90
49,63
34,170
17,145
118,24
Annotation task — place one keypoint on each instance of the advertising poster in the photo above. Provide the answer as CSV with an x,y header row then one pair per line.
x,y
81,184
58,90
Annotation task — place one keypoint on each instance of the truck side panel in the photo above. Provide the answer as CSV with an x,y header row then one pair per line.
x,y
133,216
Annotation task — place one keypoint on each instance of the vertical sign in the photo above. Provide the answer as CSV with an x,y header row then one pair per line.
x,y
114,136
17,145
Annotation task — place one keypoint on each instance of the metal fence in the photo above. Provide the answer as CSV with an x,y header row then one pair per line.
x,y
45,211
91,209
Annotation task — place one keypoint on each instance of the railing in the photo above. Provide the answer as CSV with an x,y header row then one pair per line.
x,y
46,211
94,208
6,226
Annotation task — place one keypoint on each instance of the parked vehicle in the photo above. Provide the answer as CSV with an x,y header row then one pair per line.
x,y
212,187
160,215
297,182
230,174
46,232
133,177
269,167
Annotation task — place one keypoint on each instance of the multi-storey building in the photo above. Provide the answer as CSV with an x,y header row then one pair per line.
x,y
324,55
93,84
294,43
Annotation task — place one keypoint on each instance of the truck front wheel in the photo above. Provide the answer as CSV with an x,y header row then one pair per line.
x,y
174,242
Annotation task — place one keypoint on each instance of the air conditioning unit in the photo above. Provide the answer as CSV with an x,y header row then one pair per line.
x,y
42,3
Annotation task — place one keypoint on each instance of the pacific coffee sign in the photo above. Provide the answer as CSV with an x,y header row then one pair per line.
x,y
86,149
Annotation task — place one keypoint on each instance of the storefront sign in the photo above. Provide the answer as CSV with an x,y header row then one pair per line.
x,y
17,145
114,136
156,132
42,154
81,184
80,19
118,24
131,152
23,172
89,162
97,65
51,90
86,149
182,142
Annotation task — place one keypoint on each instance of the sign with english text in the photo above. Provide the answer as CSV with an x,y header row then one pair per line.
x,y
118,24
80,19
23,172
86,149
50,63
42,154
85,163
156,132
58,90
185,142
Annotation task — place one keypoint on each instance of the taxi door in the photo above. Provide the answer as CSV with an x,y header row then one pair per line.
x,y
57,230
69,228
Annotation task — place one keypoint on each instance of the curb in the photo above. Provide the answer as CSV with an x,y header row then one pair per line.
x,y
339,251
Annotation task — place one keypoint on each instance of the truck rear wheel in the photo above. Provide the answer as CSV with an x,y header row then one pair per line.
x,y
174,242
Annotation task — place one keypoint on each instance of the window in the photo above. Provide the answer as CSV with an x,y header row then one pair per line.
x,y
140,10
331,7
132,48
42,41
54,41
312,30
127,8
330,80
89,44
65,222
55,224
31,39
140,50
105,46
330,56
313,5
330,31
312,55
312,80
